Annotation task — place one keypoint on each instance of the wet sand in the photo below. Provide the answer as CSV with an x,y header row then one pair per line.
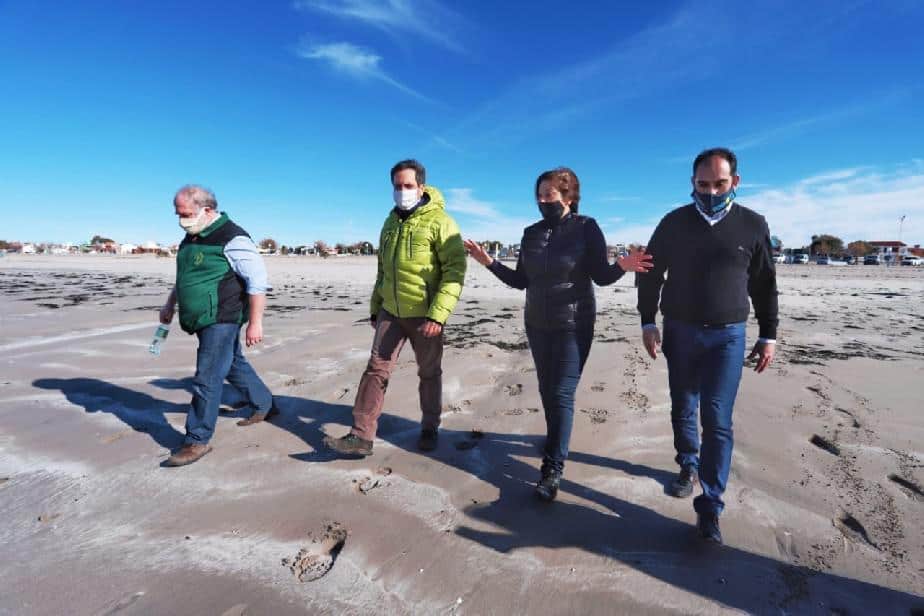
x,y
825,506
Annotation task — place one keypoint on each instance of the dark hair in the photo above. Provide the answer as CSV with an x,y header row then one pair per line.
x,y
410,163
566,181
722,153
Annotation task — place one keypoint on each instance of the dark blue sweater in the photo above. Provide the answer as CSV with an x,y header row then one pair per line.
x,y
711,270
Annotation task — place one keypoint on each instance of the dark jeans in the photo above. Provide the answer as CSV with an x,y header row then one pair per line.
x,y
704,367
218,358
390,336
559,357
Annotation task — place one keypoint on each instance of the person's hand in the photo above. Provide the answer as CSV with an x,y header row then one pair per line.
x,y
764,352
166,314
430,329
478,253
254,333
636,261
651,338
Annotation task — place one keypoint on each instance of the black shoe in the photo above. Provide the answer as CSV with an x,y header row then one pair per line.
x,y
708,526
547,488
682,486
349,445
428,439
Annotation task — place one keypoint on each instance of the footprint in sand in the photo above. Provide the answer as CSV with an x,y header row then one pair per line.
x,y
314,561
121,604
513,390
370,483
599,386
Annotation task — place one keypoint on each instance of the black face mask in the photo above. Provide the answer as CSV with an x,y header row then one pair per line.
x,y
551,211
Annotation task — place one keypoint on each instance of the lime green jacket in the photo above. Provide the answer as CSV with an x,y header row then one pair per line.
x,y
421,263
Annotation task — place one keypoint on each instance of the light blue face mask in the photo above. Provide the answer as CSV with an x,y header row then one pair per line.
x,y
711,204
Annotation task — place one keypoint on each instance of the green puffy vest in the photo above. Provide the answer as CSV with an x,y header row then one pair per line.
x,y
421,266
207,289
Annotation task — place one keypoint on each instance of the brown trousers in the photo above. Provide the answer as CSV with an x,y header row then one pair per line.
x,y
390,334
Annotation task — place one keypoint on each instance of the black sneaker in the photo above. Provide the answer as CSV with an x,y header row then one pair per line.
x,y
682,486
428,439
708,526
547,488
349,445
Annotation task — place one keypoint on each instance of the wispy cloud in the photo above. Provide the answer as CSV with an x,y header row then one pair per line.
x,y
432,138
353,61
853,204
797,127
484,220
425,19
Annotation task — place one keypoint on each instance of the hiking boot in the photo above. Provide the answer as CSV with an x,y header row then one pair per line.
x,y
682,485
258,417
187,455
349,445
428,439
708,526
547,488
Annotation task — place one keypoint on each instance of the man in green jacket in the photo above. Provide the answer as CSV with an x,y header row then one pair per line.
x,y
421,270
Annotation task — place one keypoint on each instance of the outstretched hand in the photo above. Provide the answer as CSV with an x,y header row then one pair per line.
x,y
636,261
477,252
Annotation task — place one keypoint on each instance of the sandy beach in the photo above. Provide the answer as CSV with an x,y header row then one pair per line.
x,y
825,505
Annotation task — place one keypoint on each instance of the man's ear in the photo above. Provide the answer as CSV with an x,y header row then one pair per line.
x,y
735,181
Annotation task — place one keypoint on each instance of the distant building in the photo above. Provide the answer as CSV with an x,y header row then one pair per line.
x,y
28,249
127,249
890,250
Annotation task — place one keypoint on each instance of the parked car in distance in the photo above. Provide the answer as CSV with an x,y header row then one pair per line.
x,y
779,258
912,261
800,258
871,260
826,260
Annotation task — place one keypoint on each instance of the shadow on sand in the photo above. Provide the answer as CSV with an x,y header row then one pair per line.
x,y
658,546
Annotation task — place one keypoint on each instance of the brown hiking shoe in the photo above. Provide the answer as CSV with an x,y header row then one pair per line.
x,y
349,445
258,417
187,455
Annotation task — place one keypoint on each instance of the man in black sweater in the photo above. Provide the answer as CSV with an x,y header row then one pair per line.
x,y
716,254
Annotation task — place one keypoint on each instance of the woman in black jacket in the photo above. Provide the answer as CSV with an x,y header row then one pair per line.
x,y
561,256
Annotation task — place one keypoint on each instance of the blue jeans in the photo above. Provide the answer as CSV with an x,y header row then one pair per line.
x,y
559,357
704,369
218,358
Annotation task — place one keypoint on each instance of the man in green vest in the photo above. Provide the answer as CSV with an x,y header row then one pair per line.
x,y
421,270
221,284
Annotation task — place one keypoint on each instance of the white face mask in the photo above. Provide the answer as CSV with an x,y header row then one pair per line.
x,y
194,226
406,199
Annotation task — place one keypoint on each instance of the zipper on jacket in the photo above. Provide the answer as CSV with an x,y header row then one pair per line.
x,y
394,267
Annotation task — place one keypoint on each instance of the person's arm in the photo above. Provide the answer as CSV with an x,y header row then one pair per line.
x,y
598,266
650,282
246,262
450,253
514,278
764,297
375,302
649,289
166,312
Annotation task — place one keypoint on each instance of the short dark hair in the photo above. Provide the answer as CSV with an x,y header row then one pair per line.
x,y
566,181
410,163
720,152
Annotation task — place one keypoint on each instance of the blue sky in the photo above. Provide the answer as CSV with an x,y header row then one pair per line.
x,y
293,112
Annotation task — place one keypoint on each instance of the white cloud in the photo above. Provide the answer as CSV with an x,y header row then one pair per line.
x,y
425,19
483,220
853,204
354,61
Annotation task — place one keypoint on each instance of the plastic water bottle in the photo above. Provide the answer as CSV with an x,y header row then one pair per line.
x,y
159,337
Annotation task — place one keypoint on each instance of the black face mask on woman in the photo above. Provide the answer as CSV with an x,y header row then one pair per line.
x,y
552,210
